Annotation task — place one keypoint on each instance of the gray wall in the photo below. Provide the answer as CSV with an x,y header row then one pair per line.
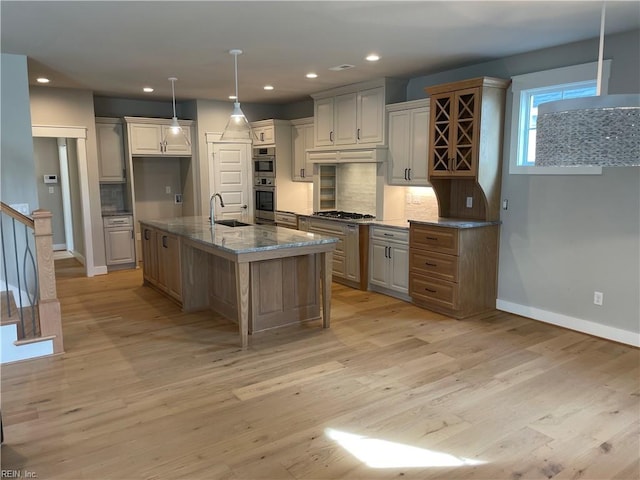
x,y
45,151
564,237
18,164
68,107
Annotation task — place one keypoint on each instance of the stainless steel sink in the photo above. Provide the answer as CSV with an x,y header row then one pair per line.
x,y
232,223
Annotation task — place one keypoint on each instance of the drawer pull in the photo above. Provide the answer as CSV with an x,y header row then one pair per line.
x,y
430,264
432,238
430,290
388,235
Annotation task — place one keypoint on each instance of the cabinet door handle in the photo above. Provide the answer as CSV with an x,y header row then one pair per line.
x,y
302,172
409,174
405,173
358,134
244,207
430,290
430,264
146,234
385,252
164,241
331,136
389,252
132,234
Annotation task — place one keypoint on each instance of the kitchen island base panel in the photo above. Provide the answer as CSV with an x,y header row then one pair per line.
x,y
284,291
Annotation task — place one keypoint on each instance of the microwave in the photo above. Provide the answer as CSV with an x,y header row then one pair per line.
x,y
264,161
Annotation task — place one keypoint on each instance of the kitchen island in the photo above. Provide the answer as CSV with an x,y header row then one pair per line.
x,y
260,276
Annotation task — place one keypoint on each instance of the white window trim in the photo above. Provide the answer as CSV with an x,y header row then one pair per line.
x,y
546,78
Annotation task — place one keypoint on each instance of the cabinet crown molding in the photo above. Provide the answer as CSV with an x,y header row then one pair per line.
x,y
157,121
397,107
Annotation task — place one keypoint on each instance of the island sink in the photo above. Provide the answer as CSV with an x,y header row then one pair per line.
x,y
232,223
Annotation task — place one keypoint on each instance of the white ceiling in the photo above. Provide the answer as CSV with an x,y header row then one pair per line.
x,y
116,48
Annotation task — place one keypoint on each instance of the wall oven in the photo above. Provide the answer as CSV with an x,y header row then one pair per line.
x,y
264,196
264,162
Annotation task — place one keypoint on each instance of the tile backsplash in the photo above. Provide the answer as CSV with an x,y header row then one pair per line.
x,y
420,203
357,187
112,197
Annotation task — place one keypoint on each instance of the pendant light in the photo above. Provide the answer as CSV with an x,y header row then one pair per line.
x,y
591,131
176,129
237,127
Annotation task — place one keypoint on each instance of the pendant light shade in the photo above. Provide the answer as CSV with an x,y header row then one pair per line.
x,y
238,127
600,131
176,129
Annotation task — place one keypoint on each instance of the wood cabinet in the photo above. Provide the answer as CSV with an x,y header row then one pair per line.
x,y
389,261
301,140
158,139
161,261
465,146
119,241
111,157
453,270
408,139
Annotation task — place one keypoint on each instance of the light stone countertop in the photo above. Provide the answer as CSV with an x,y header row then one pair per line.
x,y
237,240
456,222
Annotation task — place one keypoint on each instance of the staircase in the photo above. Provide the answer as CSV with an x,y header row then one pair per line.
x,y
32,327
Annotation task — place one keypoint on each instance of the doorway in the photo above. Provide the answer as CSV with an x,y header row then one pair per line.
x,y
76,223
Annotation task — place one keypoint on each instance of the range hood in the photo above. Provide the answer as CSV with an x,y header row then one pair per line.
x,y
376,154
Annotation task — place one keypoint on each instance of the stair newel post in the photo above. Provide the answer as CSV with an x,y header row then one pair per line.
x,y
48,304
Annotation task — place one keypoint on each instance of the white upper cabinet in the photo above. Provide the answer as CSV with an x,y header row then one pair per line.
x,y
301,140
354,116
110,138
408,141
263,135
158,139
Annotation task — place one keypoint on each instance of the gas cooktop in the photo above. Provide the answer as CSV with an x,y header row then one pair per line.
x,y
344,215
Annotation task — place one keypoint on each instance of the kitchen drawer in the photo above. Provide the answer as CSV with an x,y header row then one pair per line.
x,y
391,234
434,264
328,227
433,291
119,221
286,219
439,239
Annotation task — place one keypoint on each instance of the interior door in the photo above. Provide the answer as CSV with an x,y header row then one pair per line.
x,y
231,173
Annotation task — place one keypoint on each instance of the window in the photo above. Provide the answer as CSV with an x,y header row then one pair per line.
x,y
531,90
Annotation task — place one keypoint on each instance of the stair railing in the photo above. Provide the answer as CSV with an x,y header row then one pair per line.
x,y
34,275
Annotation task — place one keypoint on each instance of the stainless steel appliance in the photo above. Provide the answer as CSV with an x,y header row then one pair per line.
x,y
264,196
264,162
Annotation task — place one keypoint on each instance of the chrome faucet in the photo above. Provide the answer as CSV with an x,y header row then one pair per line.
x,y
212,202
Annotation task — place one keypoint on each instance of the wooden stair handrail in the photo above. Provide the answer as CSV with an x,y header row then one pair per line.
x,y
13,213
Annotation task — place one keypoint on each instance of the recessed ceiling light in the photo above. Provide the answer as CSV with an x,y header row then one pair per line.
x,y
42,80
268,87
232,97
147,89
373,57
312,75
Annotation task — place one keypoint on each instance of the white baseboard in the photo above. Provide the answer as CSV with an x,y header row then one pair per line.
x,y
572,323
59,246
100,270
79,257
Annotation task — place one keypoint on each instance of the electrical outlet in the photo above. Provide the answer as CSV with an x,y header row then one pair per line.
x,y
51,190
469,202
167,189
598,298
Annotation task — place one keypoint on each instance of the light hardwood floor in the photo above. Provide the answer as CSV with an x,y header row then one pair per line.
x,y
390,391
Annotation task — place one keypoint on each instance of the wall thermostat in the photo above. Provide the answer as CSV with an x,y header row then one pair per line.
x,y
51,179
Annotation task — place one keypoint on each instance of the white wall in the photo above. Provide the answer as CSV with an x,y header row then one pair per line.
x,y
565,236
